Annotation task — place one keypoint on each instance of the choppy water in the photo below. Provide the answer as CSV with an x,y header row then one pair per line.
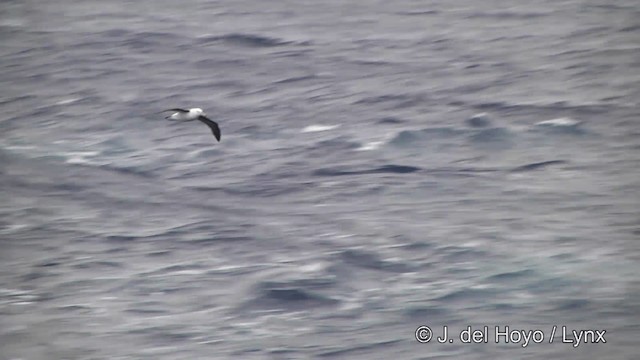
x,y
384,165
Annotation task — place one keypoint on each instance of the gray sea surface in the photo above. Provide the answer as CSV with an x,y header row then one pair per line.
x,y
384,165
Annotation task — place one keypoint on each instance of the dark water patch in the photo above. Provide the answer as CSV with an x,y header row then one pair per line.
x,y
369,260
403,169
163,335
118,250
405,137
412,246
152,39
146,311
505,15
7,30
464,172
115,33
287,297
401,101
469,160
217,239
46,185
425,312
159,253
201,232
511,275
126,170
496,137
295,79
538,165
97,264
16,99
505,307
497,105
145,307
50,263
418,12
572,304
211,190
479,120
280,352
246,40
379,99
386,169
329,147
469,295
632,28
65,309
142,285
509,38
552,129
175,268
268,188
609,7
594,30
390,120
413,137
115,40
339,143
124,238
549,285
537,109
574,54
37,275
370,62
221,63
256,132
454,254
368,349
297,53
115,146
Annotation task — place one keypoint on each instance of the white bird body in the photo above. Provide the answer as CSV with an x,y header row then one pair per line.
x,y
194,114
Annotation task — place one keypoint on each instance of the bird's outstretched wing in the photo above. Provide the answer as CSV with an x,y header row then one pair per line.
x,y
212,124
176,110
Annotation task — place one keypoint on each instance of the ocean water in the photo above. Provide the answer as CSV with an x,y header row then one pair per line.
x,y
384,165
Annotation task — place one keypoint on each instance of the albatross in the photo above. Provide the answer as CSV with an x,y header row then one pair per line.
x,y
194,114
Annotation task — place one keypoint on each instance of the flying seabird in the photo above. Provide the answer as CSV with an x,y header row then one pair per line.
x,y
194,114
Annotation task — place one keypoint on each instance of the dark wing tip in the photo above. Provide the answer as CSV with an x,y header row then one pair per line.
x,y
216,132
215,129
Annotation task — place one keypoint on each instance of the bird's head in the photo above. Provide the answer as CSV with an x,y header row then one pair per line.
x,y
197,111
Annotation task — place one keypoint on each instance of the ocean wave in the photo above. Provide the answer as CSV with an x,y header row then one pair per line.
x,y
289,295
394,101
390,120
538,165
495,138
560,125
296,79
317,128
418,12
556,106
508,14
370,260
332,146
411,137
248,40
515,275
137,40
479,120
385,169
